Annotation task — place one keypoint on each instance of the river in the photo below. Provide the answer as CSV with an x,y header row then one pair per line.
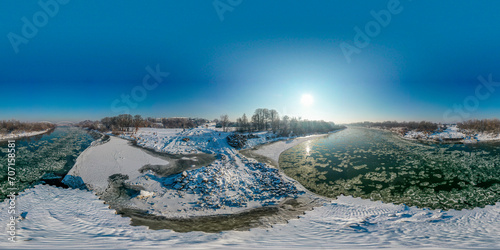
x,y
379,165
43,158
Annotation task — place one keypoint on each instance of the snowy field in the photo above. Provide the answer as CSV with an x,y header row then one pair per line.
x,y
76,219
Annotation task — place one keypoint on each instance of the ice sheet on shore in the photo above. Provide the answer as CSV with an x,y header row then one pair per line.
x,y
75,219
453,133
97,163
21,135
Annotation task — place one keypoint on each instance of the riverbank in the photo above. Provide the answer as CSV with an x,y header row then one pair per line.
x,y
129,177
272,150
4,137
452,134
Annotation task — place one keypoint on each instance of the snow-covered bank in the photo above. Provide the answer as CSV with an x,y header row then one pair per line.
x,y
11,136
451,134
93,167
230,184
76,219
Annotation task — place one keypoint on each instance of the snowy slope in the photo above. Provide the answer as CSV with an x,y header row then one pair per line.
x,y
231,184
179,141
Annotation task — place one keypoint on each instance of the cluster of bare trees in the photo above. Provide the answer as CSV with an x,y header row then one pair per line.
x,y
182,122
265,119
423,126
126,122
486,125
94,125
122,122
13,126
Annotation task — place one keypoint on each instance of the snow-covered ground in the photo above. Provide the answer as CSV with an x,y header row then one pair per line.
x,y
232,183
94,165
180,141
76,219
452,133
21,135
487,137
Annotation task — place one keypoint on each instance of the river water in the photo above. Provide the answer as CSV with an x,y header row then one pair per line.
x,y
378,165
43,158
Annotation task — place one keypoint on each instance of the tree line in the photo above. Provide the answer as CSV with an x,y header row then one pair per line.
x,y
484,126
14,126
127,122
422,126
264,119
475,125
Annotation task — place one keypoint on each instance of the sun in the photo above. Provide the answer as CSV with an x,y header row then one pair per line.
x,y
307,100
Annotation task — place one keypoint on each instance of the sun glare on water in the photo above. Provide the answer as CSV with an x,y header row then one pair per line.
x,y
307,100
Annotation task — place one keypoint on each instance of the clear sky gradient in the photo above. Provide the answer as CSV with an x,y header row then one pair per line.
x,y
424,62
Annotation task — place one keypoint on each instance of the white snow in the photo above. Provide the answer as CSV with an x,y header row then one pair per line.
x,y
75,219
179,141
21,135
231,184
452,132
487,137
94,165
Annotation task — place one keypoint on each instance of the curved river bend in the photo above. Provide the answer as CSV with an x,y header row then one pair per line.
x,y
378,165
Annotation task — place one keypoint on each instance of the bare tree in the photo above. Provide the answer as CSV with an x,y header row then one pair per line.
x,y
275,120
243,124
137,122
285,125
255,121
224,120
266,118
260,118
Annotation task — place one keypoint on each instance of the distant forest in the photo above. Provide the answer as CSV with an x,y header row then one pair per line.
x,y
126,122
485,126
13,126
423,126
269,119
470,126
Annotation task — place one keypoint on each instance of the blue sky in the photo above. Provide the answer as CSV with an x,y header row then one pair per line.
x,y
419,66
